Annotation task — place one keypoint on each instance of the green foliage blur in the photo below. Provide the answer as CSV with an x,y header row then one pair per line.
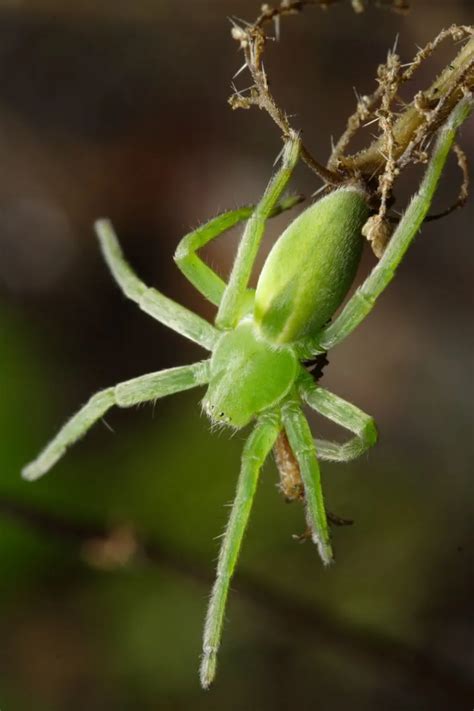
x,y
121,111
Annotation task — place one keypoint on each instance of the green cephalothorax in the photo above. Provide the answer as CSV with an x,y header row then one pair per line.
x,y
239,387
254,371
311,267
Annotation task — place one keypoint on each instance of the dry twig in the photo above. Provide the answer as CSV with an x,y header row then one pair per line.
x,y
402,141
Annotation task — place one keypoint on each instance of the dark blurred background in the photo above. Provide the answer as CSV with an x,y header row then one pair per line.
x,y
120,110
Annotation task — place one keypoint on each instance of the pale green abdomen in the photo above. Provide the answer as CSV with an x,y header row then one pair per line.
x,y
311,267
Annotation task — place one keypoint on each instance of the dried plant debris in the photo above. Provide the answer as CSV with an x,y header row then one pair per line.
x,y
405,130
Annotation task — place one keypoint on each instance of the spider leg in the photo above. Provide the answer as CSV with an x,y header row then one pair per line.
x,y
301,442
255,452
230,309
345,414
132,392
363,300
151,300
201,276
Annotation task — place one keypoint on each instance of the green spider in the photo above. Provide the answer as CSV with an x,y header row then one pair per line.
x,y
261,338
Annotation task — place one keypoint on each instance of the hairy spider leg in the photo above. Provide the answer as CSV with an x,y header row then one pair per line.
x,y
132,392
363,300
344,414
302,443
256,450
231,306
150,300
201,276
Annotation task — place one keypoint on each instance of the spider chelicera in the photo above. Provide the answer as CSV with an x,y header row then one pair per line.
x,y
261,338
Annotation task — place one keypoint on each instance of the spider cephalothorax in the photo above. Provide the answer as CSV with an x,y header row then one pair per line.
x,y
261,341
247,376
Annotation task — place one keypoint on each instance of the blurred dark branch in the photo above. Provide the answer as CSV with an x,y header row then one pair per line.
x,y
109,548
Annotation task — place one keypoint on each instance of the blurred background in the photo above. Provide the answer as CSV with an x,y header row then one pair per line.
x,y
119,109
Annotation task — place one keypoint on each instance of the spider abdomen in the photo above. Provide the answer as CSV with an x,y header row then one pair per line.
x,y
311,267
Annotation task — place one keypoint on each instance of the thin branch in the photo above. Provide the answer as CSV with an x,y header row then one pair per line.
x,y
402,141
464,189
252,39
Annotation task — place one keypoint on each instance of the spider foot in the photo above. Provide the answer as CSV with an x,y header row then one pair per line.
x,y
333,520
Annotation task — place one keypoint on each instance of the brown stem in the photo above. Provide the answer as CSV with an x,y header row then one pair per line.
x,y
421,119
